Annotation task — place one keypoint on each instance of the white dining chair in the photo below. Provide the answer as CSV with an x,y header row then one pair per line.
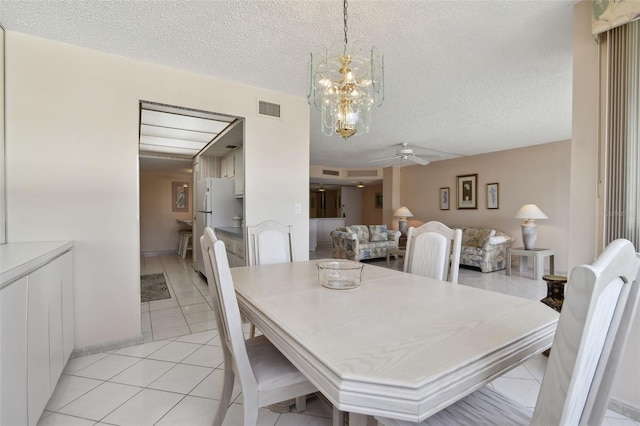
x,y
594,324
433,250
265,375
270,242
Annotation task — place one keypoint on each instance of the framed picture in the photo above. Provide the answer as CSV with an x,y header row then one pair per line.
x,y
180,196
378,200
444,198
493,196
467,191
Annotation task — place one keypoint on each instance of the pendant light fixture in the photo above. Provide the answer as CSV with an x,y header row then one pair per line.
x,y
346,81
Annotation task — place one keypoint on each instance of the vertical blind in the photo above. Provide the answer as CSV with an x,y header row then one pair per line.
x,y
622,152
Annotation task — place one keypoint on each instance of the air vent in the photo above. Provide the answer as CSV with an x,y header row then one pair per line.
x,y
331,172
231,146
268,109
362,173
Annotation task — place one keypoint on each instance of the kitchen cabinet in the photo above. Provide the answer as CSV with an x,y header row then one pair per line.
x,y
37,330
233,239
239,172
228,166
325,226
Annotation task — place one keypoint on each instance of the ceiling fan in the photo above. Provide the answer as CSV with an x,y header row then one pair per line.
x,y
406,153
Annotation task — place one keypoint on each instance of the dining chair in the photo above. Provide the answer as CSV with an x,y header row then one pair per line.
x,y
270,242
265,375
594,324
433,250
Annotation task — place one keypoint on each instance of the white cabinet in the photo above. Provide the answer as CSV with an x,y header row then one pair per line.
x,y
13,356
325,226
37,330
228,166
234,244
239,173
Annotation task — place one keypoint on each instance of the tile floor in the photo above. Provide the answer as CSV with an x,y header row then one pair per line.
x,y
175,377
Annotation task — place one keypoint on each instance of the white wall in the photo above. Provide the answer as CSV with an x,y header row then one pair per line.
x,y
72,164
351,199
583,238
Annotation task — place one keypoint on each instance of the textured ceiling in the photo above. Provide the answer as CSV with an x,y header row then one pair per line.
x,y
461,77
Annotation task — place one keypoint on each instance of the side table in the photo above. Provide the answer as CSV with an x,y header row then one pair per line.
x,y
538,260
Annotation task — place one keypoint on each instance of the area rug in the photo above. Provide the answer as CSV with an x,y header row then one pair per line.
x,y
153,287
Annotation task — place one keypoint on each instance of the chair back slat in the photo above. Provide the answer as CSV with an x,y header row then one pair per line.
x,y
433,250
270,242
598,308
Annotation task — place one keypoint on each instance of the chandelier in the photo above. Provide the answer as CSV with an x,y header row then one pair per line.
x,y
346,81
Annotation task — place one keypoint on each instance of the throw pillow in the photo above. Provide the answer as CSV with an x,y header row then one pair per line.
x,y
378,233
361,231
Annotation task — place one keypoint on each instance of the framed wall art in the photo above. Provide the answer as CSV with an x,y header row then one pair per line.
x,y
180,196
444,198
467,194
493,196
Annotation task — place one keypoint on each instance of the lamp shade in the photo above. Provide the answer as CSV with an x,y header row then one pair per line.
x,y
403,212
530,211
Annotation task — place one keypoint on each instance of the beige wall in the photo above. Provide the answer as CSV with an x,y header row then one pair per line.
x,y
537,174
370,214
72,165
159,224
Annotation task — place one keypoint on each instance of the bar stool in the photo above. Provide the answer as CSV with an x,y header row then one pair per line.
x,y
184,240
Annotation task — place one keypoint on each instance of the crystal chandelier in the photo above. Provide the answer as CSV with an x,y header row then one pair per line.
x,y
346,81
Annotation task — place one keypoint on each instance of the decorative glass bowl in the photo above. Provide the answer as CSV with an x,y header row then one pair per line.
x,y
340,274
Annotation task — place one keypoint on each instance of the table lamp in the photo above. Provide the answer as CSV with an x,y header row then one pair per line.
x,y
529,212
403,213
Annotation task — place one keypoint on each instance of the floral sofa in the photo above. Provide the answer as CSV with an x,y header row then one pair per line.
x,y
484,248
357,242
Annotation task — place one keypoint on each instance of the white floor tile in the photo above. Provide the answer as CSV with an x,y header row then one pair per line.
x,y
165,318
211,387
143,373
191,411
520,390
166,333
145,408
520,372
203,326
175,351
295,419
198,307
107,367
68,389
57,419
235,416
99,402
181,379
206,356
79,363
144,349
201,338
163,304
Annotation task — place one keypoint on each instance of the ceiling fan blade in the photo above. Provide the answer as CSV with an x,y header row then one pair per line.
x,y
418,160
384,159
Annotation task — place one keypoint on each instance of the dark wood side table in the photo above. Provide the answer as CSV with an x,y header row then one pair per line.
x,y
555,295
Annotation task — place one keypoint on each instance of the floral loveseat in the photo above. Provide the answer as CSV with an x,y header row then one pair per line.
x,y
357,242
484,248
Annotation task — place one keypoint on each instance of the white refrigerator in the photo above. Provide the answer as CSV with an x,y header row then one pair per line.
x,y
216,205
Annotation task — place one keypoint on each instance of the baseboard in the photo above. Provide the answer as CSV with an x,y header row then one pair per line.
x,y
625,409
112,346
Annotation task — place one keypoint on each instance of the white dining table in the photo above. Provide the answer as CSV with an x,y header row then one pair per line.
x,y
400,345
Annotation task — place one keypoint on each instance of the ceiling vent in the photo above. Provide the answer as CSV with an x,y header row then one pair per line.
x,y
362,173
331,172
268,109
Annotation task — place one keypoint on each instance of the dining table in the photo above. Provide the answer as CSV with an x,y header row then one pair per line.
x,y
400,345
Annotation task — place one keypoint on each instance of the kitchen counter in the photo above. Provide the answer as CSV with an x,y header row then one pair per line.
x,y
20,259
238,231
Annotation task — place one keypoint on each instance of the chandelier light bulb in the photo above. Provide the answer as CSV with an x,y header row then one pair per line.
x,y
346,81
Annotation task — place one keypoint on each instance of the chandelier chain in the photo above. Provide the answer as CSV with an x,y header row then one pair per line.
x,y
345,24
